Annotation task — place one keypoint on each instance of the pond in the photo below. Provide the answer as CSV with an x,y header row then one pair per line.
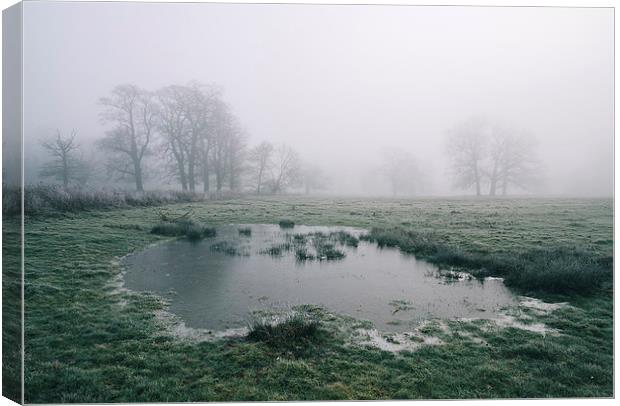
x,y
216,282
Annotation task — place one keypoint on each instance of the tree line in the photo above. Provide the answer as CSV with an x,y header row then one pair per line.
x,y
484,153
192,133
197,142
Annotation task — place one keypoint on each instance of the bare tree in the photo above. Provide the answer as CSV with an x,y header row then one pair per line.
x,y
312,177
132,112
236,155
174,127
467,150
221,131
199,104
497,149
402,172
484,151
286,169
260,161
65,165
513,161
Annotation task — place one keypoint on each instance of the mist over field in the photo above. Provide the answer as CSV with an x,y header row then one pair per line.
x,y
267,202
372,96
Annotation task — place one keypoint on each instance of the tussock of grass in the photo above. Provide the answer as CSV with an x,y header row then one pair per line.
x,y
327,251
183,227
302,254
286,223
169,229
194,232
300,239
246,231
226,247
277,249
346,239
209,232
325,245
553,270
293,330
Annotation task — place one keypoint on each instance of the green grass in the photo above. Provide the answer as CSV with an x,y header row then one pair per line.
x,y
87,341
11,309
295,332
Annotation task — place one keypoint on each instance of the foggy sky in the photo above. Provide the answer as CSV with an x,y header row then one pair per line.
x,y
343,83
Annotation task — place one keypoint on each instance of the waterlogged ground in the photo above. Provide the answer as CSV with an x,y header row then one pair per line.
x,y
87,341
217,282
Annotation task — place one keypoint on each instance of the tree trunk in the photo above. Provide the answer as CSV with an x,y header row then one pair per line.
x,y
260,181
493,180
178,156
138,175
504,178
218,179
232,180
191,175
191,164
65,172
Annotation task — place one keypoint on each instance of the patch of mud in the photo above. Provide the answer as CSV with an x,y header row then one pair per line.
x,y
524,316
539,307
452,276
177,328
397,342
515,322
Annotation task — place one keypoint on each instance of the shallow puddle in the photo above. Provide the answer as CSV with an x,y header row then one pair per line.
x,y
215,283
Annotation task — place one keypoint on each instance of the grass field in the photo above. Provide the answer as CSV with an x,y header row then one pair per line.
x,y
88,341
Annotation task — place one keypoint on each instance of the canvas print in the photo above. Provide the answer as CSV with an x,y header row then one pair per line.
x,y
282,202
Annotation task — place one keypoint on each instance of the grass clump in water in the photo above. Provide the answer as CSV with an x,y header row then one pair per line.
x,y
194,233
209,232
277,250
226,247
346,238
300,239
302,254
286,223
325,249
246,231
328,251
